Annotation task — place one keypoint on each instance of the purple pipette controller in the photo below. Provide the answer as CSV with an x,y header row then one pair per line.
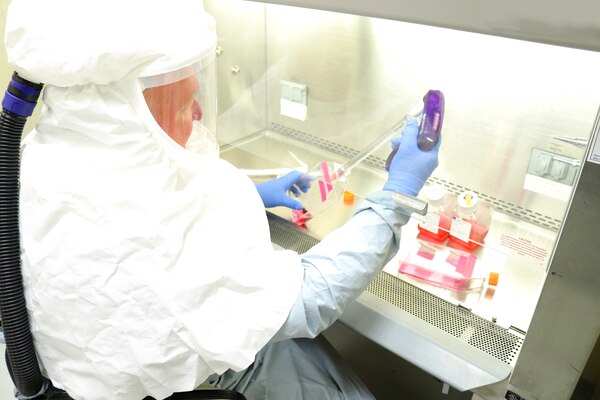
x,y
430,126
431,121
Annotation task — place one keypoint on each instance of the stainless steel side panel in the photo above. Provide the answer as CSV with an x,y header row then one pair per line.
x,y
566,323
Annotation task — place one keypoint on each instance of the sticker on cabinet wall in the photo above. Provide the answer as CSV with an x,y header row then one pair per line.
x,y
595,150
525,248
293,101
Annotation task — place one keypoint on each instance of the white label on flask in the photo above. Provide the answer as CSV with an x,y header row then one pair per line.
x,y
460,229
431,222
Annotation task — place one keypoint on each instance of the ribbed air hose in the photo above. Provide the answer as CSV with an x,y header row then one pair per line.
x,y
17,105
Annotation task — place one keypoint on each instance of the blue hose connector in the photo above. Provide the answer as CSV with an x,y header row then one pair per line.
x,y
21,96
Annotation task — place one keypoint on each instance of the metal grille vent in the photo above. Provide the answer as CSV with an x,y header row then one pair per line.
x,y
289,237
376,162
458,322
327,145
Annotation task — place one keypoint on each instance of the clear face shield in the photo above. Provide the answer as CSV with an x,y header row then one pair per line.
x,y
183,103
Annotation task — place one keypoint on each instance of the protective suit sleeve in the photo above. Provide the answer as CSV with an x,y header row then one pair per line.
x,y
339,268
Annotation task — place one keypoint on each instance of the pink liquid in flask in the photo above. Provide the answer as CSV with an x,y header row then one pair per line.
x,y
477,235
477,214
436,227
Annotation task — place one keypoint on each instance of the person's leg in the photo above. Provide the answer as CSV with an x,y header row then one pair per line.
x,y
301,369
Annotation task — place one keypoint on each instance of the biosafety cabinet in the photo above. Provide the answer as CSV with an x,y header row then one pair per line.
x,y
302,82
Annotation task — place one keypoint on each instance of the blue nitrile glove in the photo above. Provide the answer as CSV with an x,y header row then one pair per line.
x,y
410,167
274,192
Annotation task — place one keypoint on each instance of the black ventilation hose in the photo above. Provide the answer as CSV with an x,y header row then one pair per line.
x,y
18,104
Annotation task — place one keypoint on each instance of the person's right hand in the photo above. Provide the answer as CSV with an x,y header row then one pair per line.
x,y
410,167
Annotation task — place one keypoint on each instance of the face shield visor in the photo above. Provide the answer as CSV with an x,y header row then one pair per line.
x,y
183,103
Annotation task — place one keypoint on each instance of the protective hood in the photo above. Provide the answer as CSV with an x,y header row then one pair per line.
x,y
147,267
76,42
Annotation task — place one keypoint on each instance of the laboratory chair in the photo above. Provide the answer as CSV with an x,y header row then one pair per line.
x,y
18,104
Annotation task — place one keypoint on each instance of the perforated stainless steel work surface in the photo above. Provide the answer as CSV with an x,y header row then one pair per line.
x,y
478,332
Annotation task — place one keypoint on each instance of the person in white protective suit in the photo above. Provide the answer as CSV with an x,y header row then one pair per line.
x,y
147,260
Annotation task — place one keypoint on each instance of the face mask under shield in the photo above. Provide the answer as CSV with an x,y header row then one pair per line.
x,y
183,103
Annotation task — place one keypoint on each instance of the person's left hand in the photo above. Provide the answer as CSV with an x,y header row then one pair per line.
x,y
274,192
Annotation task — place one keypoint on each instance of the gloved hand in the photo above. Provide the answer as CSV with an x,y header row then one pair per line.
x,y
274,192
410,167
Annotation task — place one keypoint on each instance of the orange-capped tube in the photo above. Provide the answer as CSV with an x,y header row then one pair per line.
x,y
493,279
348,197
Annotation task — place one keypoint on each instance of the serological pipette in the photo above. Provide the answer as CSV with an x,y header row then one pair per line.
x,y
330,178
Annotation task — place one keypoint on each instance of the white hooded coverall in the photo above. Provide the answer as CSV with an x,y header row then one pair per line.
x,y
147,269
